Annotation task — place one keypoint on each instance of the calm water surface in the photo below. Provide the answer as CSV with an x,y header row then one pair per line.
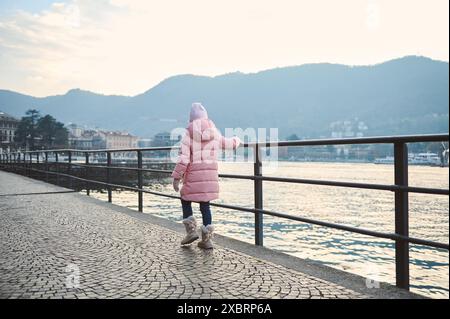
x,y
359,254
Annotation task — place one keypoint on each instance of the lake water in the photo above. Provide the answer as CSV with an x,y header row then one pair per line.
x,y
370,209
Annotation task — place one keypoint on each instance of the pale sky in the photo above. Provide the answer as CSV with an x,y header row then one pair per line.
x,y
128,46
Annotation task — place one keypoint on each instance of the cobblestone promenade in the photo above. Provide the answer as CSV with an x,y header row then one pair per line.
x,y
68,245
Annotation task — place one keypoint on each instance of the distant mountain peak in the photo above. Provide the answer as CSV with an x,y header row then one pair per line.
x,y
78,91
407,95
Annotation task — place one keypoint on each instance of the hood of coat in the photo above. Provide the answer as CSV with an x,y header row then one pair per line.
x,y
202,129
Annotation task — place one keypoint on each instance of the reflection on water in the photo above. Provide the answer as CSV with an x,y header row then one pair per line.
x,y
364,255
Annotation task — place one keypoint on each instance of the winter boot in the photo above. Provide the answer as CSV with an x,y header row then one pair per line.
x,y
191,230
207,232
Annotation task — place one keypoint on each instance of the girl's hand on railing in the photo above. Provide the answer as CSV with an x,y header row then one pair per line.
x,y
176,184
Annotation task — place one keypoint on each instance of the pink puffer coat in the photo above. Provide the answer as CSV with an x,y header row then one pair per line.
x,y
197,162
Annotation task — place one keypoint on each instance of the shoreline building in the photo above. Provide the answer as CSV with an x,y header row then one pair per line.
x,y
88,139
8,127
114,140
82,138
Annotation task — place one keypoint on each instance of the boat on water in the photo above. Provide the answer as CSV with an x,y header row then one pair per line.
x,y
385,160
430,159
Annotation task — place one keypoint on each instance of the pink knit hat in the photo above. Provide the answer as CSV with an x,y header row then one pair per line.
x,y
197,112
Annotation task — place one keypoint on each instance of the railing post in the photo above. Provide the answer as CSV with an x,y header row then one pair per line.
x,y
139,162
258,193
108,175
69,168
37,164
86,175
401,216
31,165
57,168
46,166
24,163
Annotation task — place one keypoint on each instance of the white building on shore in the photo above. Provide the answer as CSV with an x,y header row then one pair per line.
x,y
88,139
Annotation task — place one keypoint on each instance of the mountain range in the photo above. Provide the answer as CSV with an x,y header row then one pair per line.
x,y
408,95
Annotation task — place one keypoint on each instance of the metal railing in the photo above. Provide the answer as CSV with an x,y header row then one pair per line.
x,y
401,189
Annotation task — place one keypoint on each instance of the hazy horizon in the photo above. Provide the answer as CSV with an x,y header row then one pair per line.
x,y
125,47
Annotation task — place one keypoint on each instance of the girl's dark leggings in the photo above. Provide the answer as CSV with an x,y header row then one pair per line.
x,y
204,208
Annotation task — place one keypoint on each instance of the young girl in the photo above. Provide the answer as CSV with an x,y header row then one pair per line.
x,y
197,168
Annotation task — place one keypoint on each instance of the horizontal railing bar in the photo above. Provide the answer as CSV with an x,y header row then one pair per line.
x,y
356,140
86,180
103,166
38,193
362,231
410,189
435,191
328,183
424,242
112,150
424,190
100,166
123,168
312,142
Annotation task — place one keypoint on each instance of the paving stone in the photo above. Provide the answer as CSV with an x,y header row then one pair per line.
x,y
62,246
